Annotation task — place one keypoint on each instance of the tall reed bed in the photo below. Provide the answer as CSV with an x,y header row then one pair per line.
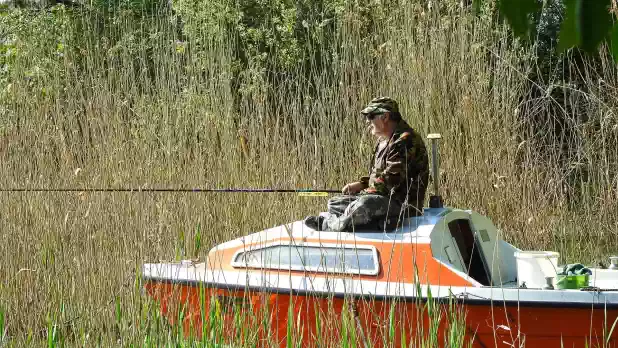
x,y
116,100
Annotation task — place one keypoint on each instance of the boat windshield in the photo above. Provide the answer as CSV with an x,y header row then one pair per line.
x,y
315,258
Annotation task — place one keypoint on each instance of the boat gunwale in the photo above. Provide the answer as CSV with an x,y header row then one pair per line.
x,y
466,299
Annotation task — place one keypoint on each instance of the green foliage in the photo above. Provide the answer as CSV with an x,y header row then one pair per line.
x,y
272,41
42,49
2,325
586,23
33,47
522,15
52,333
138,7
197,242
570,33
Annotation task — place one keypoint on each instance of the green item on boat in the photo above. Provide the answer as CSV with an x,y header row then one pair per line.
x,y
572,281
573,276
575,269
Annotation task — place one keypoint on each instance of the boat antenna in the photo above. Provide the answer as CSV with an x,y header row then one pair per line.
x,y
435,201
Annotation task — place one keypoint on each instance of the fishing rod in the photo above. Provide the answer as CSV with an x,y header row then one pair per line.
x,y
307,192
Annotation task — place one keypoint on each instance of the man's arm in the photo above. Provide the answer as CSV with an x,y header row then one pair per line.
x,y
353,188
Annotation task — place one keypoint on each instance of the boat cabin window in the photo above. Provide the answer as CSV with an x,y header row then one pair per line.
x,y
316,258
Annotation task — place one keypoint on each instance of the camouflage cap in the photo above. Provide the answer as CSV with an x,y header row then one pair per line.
x,y
380,105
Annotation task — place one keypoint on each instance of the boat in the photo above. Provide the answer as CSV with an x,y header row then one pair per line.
x,y
444,276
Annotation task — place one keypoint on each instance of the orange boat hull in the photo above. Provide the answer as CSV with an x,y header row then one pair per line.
x,y
269,318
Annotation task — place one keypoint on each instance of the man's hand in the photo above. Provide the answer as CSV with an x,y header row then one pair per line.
x,y
352,188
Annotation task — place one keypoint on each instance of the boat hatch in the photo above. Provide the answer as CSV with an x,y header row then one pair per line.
x,y
310,257
469,243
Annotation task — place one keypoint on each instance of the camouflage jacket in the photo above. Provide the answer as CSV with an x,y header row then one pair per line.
x,y
399,167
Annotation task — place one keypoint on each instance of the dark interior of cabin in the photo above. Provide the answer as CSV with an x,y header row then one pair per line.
x,y
469,249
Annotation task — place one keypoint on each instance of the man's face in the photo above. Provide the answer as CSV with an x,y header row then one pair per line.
x,y
378,124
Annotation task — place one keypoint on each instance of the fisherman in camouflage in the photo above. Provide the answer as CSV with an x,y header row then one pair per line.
x,y
397,180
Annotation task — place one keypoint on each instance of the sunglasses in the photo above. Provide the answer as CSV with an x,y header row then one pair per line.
x,y
370,117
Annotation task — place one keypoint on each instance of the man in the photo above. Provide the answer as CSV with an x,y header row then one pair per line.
x,y
397,178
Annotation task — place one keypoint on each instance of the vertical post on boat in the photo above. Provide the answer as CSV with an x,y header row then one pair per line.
x,y
435,201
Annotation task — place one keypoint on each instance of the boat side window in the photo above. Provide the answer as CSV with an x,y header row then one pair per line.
x,y
315,258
